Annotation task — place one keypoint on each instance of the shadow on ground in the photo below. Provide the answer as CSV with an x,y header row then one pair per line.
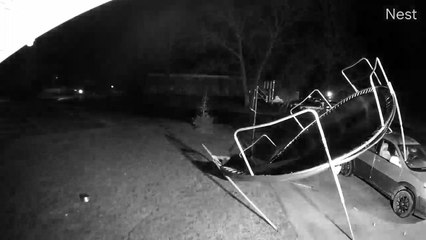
x,y
209,169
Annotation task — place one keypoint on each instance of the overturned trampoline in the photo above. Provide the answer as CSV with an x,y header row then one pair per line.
x,y
328,140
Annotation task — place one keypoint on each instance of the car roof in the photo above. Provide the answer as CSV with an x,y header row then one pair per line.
x,y
396,138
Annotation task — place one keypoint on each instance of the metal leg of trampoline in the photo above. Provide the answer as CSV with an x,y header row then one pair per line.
x,y
217,162
252,204
342,199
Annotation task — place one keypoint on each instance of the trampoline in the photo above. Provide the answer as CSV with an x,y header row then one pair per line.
x,y
332,138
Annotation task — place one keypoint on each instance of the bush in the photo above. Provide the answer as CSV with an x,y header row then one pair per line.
x,y
203,121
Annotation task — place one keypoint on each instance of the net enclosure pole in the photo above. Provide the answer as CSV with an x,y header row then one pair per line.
x,y
333,169
252,204
218,164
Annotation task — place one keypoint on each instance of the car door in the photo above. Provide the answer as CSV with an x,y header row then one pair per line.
x,y
385,173
365,162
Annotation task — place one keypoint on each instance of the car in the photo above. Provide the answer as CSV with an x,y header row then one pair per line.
x,y
316,104
401,181
61,94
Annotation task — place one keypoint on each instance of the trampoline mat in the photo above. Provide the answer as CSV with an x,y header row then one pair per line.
x,y
347,126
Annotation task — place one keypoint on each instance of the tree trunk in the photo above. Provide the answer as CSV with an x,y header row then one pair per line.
x,y
263,63
244,82
243,73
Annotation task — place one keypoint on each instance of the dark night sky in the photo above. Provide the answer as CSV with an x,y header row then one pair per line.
x,y
400,46
398,43
124,37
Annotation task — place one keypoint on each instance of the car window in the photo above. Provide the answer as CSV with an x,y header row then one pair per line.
x,y
392,149
387,150
416,156
375,148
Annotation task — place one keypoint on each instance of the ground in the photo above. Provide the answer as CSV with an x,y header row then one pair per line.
x,y
149,178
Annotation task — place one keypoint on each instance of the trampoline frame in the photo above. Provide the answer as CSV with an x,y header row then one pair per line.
x,y
304,100
333,164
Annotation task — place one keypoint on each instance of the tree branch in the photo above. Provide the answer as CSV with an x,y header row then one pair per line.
x,y
223,43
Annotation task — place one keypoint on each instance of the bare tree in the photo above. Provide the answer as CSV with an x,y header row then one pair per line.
x,y
324,45
225,27
274,23
244,30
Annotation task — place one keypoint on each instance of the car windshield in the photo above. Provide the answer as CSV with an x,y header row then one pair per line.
x,y
416,157
314,101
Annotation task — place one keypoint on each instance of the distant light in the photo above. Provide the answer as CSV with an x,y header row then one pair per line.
x,y
56,77
80,91
112,86
329,94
